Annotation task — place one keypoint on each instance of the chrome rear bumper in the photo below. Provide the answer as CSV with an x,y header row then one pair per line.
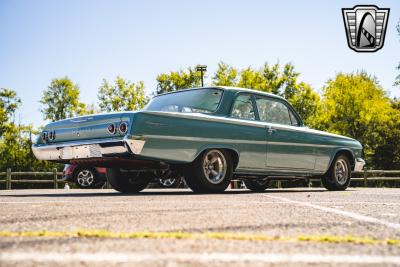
x,y
359,165
87,149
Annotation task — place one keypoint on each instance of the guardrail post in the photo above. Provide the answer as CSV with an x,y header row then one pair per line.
x,y
55,178
8,179
365,178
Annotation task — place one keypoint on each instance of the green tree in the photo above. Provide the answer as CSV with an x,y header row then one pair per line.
x,y
16,152
387,154
16,139
122,95
177,80
306,102
61,100
9,102
271,79
397,80
253,79
87,109
225,75
356,105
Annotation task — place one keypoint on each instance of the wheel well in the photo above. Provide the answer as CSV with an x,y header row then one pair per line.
x,y
349,156
234,155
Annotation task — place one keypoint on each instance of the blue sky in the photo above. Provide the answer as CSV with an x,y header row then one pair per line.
x,y
92,40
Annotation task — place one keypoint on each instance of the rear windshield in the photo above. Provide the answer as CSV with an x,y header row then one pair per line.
x,y
196,100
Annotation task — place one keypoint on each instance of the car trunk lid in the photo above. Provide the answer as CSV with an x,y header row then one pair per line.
x,y
87,127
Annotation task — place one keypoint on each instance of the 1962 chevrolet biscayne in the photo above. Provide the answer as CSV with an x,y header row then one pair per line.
x,y
209,135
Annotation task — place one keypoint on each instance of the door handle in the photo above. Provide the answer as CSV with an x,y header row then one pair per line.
x,y
271,130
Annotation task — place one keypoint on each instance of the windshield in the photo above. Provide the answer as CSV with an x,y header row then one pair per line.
x,y
196,100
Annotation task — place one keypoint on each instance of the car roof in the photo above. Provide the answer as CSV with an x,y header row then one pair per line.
x,y
230,88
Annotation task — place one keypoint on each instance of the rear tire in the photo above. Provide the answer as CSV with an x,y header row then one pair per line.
x,y
257,185
128,182
211,172
339,174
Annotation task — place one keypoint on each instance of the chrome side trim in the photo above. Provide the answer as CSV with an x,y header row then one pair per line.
x,y
203,139
299,144
235,141
359,165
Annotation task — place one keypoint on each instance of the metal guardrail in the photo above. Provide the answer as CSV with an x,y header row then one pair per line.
x,y
54,174
9,177
366,176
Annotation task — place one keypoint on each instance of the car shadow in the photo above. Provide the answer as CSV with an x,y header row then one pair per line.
x,y
160,192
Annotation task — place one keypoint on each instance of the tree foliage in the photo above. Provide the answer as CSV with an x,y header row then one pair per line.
x,y
16,139
9,102
387,154
122,95
176,80
397,80
356,105
272,79
225,75
61,100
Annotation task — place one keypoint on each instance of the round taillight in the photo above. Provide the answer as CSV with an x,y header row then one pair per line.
x,y
123,127
111,129
45,136
52,135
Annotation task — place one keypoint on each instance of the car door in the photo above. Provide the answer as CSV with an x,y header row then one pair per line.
x,y
287,147
250,134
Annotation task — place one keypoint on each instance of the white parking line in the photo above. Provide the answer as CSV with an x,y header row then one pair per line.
x,y
344,213
43,257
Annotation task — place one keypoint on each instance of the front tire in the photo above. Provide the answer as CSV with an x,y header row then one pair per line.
x,y
339,174
128,182
211,172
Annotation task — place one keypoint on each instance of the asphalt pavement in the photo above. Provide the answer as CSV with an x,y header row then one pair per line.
x,y
159,227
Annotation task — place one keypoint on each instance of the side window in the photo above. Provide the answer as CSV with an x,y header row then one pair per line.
x,y
274,111
243,108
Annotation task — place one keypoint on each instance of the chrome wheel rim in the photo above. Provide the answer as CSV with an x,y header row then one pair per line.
x,y
214,166
167,182
85,178
341,171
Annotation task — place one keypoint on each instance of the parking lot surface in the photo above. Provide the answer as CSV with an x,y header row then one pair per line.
x,y
158,227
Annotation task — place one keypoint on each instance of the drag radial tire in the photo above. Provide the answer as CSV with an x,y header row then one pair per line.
x,y
128,182
338,176
257,185
211,172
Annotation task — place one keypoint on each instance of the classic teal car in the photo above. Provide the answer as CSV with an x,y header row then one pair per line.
x,y
209,135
